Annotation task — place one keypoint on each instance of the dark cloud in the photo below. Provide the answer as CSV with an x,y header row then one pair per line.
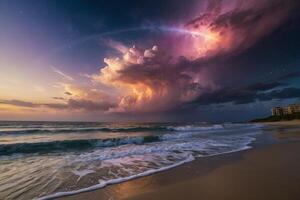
x,y
285,93
72,104
68,93
19,103
225,95
88,105
245,22
264,86
243,96
262,91
289,76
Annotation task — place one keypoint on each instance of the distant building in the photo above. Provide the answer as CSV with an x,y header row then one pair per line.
x,y
285,111
293,108
277,111
290,109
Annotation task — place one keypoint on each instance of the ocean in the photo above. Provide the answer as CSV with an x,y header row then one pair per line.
x,y
42,160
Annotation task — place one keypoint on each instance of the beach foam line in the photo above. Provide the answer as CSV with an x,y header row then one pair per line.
x,y
195,128
214,127
227,152
115,181
146,173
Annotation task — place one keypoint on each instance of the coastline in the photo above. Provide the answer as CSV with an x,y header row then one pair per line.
x,y
284,123
218,177
269,173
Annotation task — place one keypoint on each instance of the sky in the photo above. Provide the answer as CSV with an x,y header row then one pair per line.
x,y
131,60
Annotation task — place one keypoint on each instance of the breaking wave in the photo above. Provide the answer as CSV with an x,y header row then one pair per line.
x,y
62,164
72,145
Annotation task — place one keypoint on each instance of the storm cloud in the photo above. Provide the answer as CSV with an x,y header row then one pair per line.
x,y
71,104
164,77
262,91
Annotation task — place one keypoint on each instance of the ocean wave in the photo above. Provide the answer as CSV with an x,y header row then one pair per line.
x,y
87,129
136,161
72,145
116,180
195,128
204,146
182,132
109,161
136,128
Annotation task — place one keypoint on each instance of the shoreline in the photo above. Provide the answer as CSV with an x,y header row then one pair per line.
x,y
163,175
268,173
186,177
189,160
286,123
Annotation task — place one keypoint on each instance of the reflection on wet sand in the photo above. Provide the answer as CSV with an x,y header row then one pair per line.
x,y
132,188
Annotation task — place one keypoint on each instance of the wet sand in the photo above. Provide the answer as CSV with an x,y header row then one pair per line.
x,y
295,122
285,130
267,172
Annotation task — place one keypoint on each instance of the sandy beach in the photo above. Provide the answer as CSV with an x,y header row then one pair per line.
x,y
264,172
284,123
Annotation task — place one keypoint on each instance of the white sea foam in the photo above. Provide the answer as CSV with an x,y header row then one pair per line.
x,y
104,183
165,146
83,172
144,155
195,128
132,158
117,180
